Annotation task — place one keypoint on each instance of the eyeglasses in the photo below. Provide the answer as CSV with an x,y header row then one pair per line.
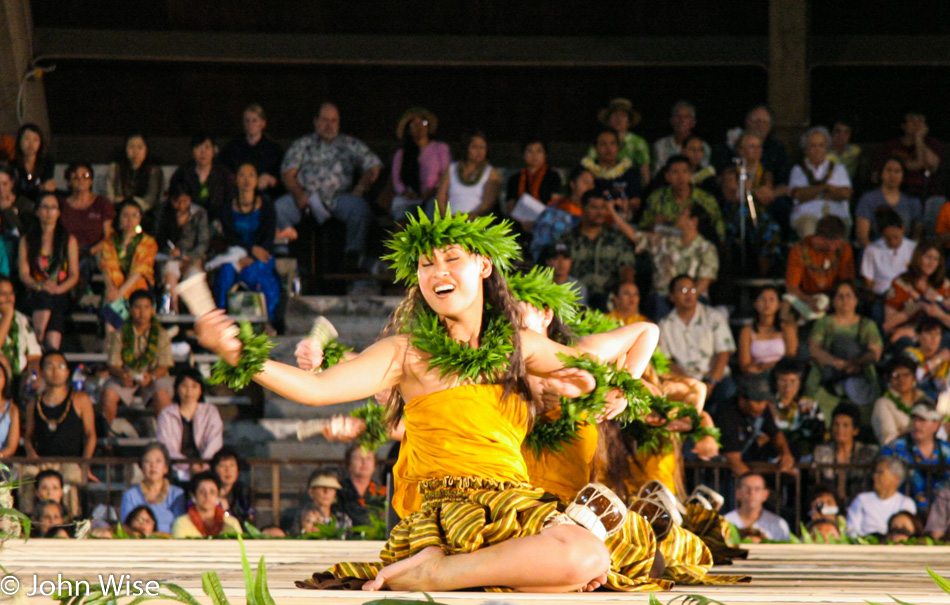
x,y
687,290
56,366
82,175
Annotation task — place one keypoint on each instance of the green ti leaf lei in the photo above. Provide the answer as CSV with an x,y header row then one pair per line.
x,y
375,436
333,353
592,321
537,288
450,356
477,235
661,363
897,401
128,346
658,439
256,350
11,346
125,254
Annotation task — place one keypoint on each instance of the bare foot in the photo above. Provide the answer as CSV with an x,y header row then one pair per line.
x,y
397,576
595,583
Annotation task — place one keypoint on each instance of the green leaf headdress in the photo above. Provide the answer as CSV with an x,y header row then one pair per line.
x,y
537,288
593,322
478,235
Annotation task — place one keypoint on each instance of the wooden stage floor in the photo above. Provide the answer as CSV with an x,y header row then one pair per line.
x,y
782,574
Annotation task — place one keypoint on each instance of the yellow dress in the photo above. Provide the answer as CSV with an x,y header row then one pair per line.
x,y
566,472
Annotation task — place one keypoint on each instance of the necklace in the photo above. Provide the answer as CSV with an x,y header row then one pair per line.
x,y
469,364
129,336
52,425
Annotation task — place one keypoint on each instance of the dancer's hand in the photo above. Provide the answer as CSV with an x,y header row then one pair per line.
x,y
571,382
616,403
344,428
706,448
213,334
308,355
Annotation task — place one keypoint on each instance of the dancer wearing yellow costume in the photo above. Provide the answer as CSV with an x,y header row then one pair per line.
x,y
489,520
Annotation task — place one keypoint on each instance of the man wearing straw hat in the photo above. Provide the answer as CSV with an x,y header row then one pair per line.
x,y
620,115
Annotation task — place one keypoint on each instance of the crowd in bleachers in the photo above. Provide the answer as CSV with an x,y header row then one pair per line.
x,y
825,264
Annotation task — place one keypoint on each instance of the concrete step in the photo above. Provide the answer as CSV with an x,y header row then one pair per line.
x,y
277,438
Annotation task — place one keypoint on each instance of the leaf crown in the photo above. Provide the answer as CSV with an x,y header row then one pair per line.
x,y
537,288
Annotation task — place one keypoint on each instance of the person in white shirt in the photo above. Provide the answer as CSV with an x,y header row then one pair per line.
x,y
886,258
750,518
870,511
819,186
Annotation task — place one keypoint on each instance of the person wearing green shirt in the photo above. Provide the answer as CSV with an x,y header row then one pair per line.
x,y
620,115
665,204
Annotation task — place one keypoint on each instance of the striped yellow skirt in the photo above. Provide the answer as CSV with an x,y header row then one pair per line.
x,y
688,560
712,529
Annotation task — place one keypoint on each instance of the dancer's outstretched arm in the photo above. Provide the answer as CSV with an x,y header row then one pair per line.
x,y
632,346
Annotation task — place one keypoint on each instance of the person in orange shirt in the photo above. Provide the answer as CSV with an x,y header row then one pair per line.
x,y
816,264
627,304
920,292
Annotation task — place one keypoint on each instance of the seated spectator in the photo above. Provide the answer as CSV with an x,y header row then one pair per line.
x,y
135,177
16,211
887,258
536,179
816,265
870,511
185,232
918,293
235,495
762,183
558,257
33,166
166,501
419,164
562,214
140,357
601,256
128,263
750,518
933,360
698,341
767,339
323,509
248,224
903,526
615,177
189,428
18,342
664,205
49,269
87,217
258,148
627,304
824,505
920,446
205,517
820,186
938,520
761,241
749,432
360,496
141,523
774,157
48,518
798,417
50,487
922,156
844,449
620,117
471,184
823,530
888,195
208,180
319,172
891,416
841,149
844,348
9,421
703,174
683,121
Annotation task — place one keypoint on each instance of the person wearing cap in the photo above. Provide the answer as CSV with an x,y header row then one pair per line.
x,y
419,164
749,433
750,517
562,214
322,487
559,258
869,511
620,116
920,446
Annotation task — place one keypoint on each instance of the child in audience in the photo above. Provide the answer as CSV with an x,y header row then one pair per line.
x,y
933,361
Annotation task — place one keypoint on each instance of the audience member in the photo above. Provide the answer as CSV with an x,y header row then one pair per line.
x,y
774,157
9,420
418,165
562,214
891,415
824,505
322,509
819,186
536,179
762,182
767,339
797,416
887,258
205,517
255,147
626,304
664,205
922,156
601,256
319,171
683,121
33,166
185,233
141,522
870,512
918,293
933,359
750,518
471,184
48,269
920,446
48,518
844,449
620,116
235,495
128,263
703,174
86,216
248,224
208,180
16,211
888,195
749,432
615,177
756,246
903,526
18,342
842,150
139,356
359,496
816,265
938,520
823,531
698,341
558,257
49,486
135,176
166,501
189,428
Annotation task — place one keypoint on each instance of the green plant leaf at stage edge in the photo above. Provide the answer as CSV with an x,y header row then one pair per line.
x,y
390,601
211,584
939,580
693,599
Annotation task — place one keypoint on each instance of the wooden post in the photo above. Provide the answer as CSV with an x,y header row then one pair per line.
x,y
275,492
789,85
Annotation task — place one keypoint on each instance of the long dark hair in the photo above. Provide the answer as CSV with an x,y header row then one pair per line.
x,y
614,452
41,152
132,181
34,243
168,228
913,267
409,171
776,323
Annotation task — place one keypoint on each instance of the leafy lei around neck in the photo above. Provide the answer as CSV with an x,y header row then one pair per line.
x,y
484,364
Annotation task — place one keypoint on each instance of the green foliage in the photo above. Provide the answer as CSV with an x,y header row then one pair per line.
x,y
376,435
211,585
537,288
257,348
475,234
693,599
592,321
661,363
376,530
327,531
333,353
659,439
450,356
389,601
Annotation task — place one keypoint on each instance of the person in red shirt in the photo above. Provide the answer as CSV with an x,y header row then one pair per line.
x,y
819,262
920,292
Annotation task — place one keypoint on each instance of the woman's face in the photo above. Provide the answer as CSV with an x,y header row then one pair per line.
x,y
418,127
6,184
254,124
130,219
583,183
902,380
845,301
80,181
535,156
227,471
203,153
246,178
823,501
30,143
154,466
751,149
206,497
7,294
50,517
450,280
628,298
767,303
619,120
182,203
843,430
892,174
929,262
901,527
49,488
143,523
189,391
48,210
788,386
477,150
136,150
694,152
607,148
323,497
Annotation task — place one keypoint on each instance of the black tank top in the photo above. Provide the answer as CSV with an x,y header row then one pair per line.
x,y
65,438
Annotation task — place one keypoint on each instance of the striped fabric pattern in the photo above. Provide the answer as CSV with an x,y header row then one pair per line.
x,y
688,560
711,528
631,556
